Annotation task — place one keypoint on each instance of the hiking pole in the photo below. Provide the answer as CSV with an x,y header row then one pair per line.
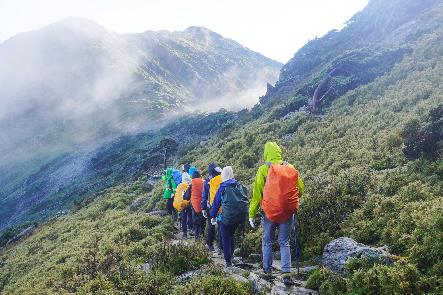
x,y
296,246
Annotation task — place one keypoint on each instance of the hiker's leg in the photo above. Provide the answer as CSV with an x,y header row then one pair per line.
x,y
284,232
268,236
211,234
233,229
194,222
227,233
220,238
169,205
184,216
190,223
224,232
197,220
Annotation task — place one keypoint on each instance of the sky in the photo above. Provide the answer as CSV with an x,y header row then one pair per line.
x,y
276,28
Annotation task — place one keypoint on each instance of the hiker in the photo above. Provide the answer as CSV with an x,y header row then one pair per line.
x,y
195,191
210,188
277,188
182,205
232,198
191,171
185,171
169,191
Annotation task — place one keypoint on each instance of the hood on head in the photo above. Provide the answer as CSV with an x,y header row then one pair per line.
x,y
186,167
227,173
272,152
192,170
212,170
186,178
196,174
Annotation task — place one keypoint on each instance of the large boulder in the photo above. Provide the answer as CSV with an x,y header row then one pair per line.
x,y
338,251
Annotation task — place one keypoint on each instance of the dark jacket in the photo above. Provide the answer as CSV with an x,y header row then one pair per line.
x,y
205,192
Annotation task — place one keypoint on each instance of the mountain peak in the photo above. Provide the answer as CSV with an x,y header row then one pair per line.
x,y
201,32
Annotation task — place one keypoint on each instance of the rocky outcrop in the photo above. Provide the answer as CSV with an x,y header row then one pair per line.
x,y
23,234
338,251
158,213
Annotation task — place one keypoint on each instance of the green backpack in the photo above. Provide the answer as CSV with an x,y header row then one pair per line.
x,y
235,205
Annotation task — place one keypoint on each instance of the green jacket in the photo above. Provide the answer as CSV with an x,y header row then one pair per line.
x,y
272,154
170,185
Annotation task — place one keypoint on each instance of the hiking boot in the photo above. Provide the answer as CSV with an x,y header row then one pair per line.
x,y
287,280
267,275
210,248
228,264
185,236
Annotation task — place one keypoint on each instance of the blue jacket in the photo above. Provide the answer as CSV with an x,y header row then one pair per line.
x,y
218,196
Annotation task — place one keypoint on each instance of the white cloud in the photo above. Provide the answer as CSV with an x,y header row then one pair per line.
x,y
274,28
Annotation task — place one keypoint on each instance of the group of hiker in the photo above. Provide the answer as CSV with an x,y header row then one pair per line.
x,y
221,203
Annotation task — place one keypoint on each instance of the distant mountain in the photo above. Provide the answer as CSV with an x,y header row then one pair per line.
x,y
74,81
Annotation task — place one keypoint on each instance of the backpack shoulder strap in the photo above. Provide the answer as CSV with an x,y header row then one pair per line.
x,y
268,164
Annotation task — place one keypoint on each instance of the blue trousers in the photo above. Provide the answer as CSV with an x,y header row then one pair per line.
x,y
284,231
227,235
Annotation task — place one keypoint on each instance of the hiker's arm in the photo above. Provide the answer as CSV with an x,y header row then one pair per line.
x,y
216,204
205,195
257,194
187,195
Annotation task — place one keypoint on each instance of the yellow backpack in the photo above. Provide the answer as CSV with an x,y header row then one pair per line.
x,y
214,184
180,204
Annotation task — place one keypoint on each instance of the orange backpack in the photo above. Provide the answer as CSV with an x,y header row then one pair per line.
x,y
280,194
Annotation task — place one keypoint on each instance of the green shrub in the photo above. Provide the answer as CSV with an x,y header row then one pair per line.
x,y
214,285
178,258
326,282
403,278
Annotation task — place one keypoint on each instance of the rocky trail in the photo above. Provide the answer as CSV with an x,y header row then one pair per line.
x,y
334,257
251,272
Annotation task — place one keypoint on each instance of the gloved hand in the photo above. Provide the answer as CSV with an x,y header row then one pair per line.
x,y
205,214
213,221
251,222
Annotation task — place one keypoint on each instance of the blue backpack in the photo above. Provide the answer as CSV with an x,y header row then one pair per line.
x,y
177,175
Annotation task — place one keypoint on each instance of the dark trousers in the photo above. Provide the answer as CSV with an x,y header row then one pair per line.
x,y
211,235
169,206
227,233
199,223
186,216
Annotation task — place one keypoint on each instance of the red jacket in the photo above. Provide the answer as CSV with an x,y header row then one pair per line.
x,y
196,194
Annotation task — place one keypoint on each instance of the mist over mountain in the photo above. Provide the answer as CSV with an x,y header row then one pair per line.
x,y
74,82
